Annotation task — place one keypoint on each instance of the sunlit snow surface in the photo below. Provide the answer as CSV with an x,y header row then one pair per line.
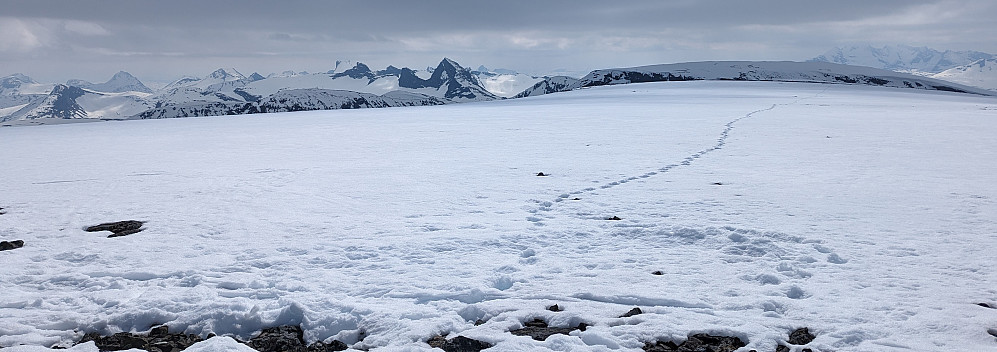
x,y
867,214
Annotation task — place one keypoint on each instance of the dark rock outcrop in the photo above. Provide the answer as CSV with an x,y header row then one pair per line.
x,y
540,331
614,218
15,244
632,312
289,338
158,340
458,344
801,336
698,343
118,228
277,339
555,308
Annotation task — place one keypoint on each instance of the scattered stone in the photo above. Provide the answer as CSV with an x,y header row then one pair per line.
x,y
698,343
614,218
158,340
540,331
119,228
15,244
984,305
801,336
289,338
542,174
992,332
555,308
657,272
632,312
458,344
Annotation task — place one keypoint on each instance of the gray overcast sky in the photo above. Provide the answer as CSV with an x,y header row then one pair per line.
x,y
52,41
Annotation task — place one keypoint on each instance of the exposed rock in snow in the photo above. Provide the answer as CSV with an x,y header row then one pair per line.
x,y
118,228
8,245
457,344
539,330
697,343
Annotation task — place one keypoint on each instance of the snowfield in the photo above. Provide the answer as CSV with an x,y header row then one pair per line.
x,y
867,214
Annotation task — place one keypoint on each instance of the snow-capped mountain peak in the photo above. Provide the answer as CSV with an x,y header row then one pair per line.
x,y
256,76
119,83
229,74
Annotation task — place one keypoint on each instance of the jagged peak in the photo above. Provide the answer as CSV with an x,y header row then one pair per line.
x,y
447,62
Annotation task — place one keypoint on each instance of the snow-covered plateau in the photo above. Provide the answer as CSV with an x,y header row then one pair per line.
x,y
866,214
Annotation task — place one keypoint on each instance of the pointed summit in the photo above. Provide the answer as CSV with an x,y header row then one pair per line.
x,y
256,76
123,82
119,83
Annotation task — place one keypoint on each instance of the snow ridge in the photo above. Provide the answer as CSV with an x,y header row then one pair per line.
x,y
780,71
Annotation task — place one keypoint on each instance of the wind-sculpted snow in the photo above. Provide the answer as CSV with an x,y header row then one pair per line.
x,y
749,209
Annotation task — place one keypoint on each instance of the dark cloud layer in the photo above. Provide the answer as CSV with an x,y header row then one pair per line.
x,y
161,40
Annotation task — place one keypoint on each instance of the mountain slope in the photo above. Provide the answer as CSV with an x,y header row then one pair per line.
x,y
17,90
292,100
982,73
551,85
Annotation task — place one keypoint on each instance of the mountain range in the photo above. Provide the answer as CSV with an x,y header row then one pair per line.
x,y
355,85
971,68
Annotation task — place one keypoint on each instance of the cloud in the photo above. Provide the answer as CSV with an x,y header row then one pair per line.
x,y
188,37
84,28
21,36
